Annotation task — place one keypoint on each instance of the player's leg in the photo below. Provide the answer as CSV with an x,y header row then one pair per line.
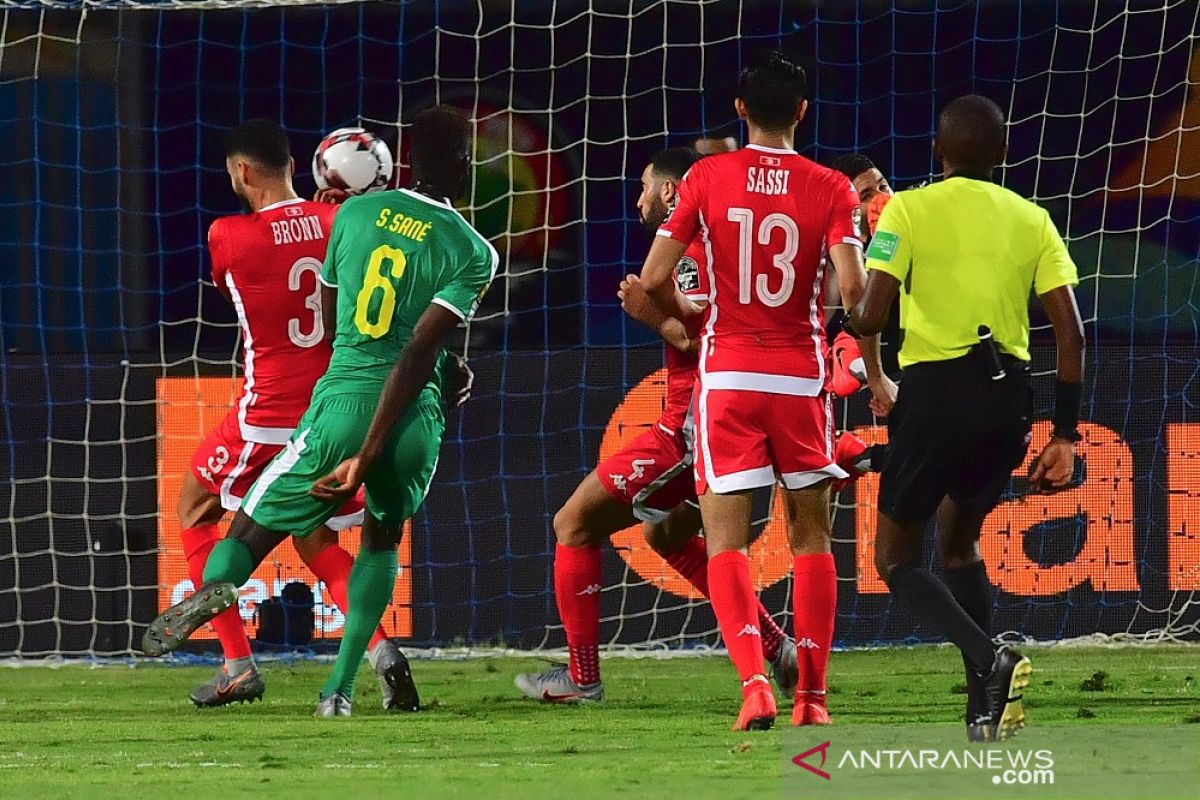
x,y
238,679
332,564
396,486
371,583
963,570
735,603
814,596
591,515
676,537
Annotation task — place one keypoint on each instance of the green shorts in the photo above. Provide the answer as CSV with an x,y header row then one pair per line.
x,y
332,430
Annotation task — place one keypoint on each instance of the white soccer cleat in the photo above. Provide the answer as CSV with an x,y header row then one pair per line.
x,y
335,705
555,686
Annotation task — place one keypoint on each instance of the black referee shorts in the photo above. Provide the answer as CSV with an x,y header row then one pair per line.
x,y
954,432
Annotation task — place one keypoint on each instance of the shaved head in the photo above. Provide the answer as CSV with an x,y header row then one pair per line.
x,y
970,135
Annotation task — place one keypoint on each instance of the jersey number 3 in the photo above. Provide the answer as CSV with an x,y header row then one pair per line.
x,y
782,260
379,278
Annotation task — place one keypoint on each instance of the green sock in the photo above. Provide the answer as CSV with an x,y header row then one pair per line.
x,y
371,583
231,561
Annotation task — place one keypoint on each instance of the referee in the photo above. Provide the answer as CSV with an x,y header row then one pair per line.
x,y
964,254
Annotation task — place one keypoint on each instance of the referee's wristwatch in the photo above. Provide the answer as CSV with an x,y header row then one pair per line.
x,y
1067,434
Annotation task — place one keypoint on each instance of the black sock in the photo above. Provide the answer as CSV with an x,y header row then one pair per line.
x,y
973,591
929,600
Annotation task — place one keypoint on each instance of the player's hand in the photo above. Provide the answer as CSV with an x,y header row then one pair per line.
x,y
331,195
634,299
1054,467
341,484
459,382
883,395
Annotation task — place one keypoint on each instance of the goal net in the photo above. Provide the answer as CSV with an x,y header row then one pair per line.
x,y
118,354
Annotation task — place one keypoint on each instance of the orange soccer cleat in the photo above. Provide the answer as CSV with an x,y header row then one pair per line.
x,y
810,710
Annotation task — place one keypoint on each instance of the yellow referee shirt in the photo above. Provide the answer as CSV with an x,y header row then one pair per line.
x,y
967,253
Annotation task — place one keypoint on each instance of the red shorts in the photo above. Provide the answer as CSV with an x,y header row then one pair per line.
x,y
652,474
227,466
746,439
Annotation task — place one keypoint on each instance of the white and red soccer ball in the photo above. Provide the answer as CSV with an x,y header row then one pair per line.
x,y
353,160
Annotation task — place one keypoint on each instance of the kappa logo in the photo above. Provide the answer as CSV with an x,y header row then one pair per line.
x,y
807,643
801,760
619,482
594,588
639,468
749,630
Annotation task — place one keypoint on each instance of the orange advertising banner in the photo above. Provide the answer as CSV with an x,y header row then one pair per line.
x,y
188,408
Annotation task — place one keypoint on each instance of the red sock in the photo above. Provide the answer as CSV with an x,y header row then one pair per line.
x,y
691,561
814,595
577,590
332,567
198,542
733,601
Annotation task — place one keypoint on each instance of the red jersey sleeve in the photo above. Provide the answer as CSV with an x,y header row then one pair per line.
x,y
683,223
845,218
216,253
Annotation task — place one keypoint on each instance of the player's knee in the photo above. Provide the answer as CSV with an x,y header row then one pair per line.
x,y
195,508
568,528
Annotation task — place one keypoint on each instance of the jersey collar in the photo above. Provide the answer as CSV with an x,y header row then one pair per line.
x,y
281,203
763,149
444,202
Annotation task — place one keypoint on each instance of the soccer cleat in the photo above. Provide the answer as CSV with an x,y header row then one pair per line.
x,y
172,627
785,669
810,710
555,686
1004,712
395,678
853,455
849,371
758,706
223,689
977,729
334,705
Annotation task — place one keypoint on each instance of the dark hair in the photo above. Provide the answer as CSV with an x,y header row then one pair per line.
x,y
261,141
971,133
771,85
852,164
674,162
440,136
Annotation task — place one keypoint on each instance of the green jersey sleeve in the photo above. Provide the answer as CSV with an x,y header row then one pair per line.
x,y
890,250
464,291
1055,267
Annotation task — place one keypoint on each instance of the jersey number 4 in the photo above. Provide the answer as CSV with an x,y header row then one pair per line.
x,y
782,261
379,278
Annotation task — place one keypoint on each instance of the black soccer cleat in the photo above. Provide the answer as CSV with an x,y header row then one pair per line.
x,y
223,689
1004,712
172,627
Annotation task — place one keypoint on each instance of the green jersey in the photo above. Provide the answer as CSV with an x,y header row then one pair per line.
x,y
391,254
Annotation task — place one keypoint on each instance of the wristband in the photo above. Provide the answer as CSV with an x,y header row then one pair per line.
x,y
1067,397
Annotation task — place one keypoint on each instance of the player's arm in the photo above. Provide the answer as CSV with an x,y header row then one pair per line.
x,y
216,254
888,262
329,311
657,279
329,281
847,260
1053,282
673,330
407,379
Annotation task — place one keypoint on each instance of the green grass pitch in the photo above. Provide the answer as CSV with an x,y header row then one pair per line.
x,y
663,732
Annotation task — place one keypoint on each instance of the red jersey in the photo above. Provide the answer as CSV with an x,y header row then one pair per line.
x,y
267,264
767,218
691,277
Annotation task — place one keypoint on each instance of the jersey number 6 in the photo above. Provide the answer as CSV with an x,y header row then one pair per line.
x,y
782,261
378,278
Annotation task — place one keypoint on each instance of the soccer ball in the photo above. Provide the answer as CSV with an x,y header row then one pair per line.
x,y
354,160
